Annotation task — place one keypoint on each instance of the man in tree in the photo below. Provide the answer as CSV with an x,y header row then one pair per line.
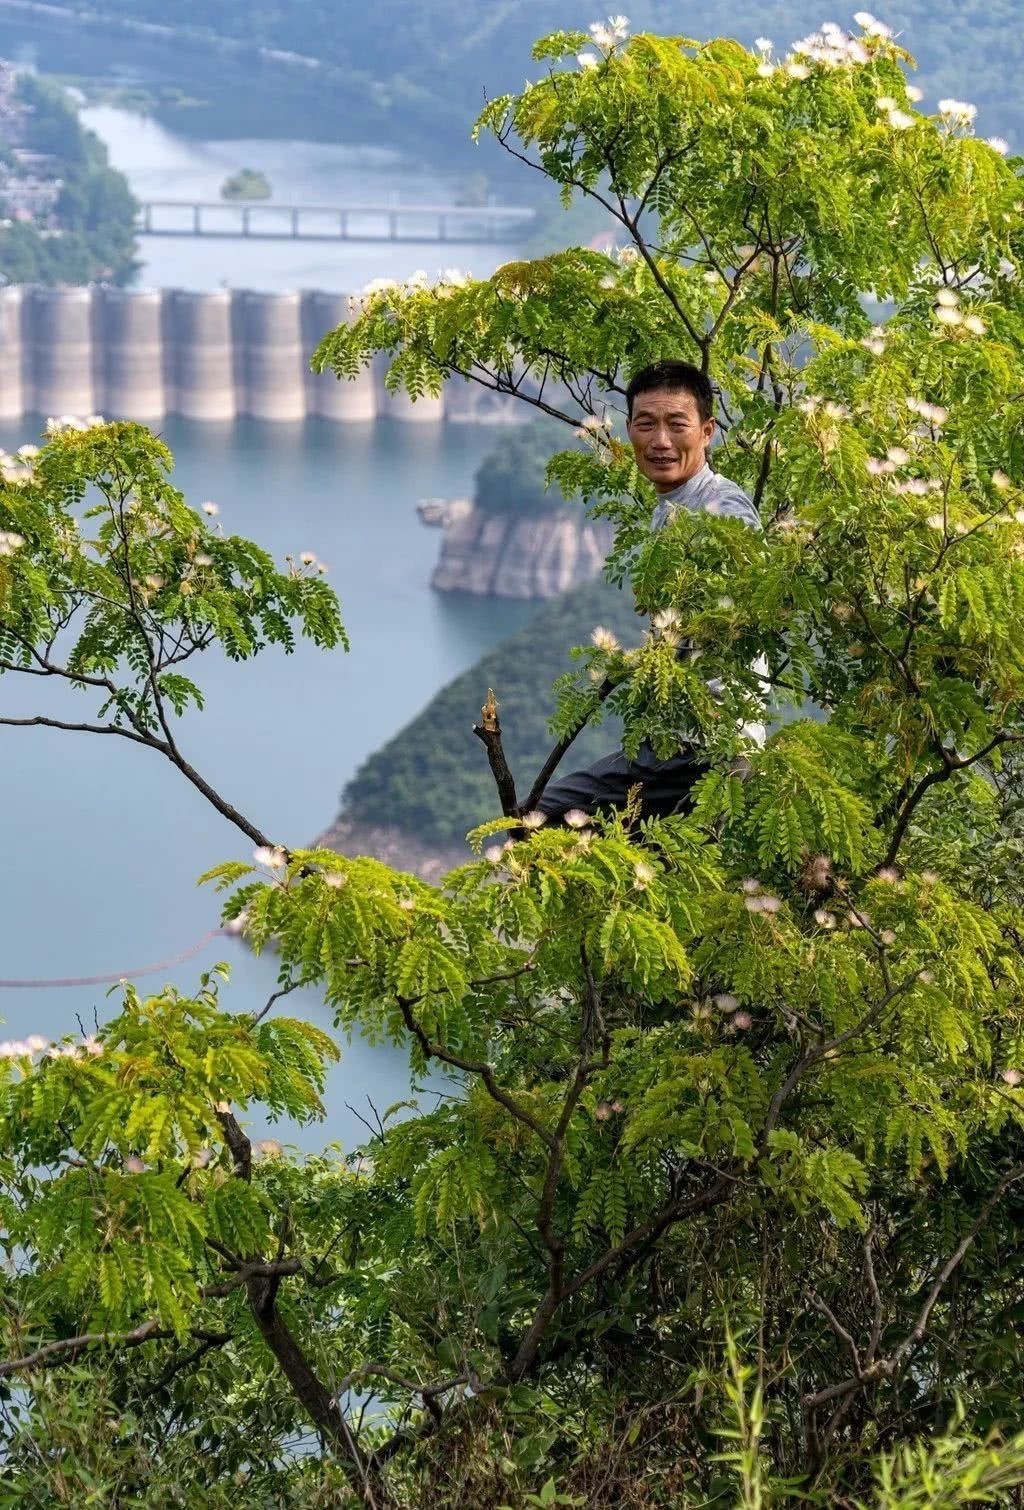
x,y
670,425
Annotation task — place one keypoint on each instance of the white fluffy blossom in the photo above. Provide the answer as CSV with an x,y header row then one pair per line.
x,y
666,620
935,414
948,298
272,856
211,509
604,639
998,144
832,47
609,34
947,316
576,818
958,112
914,93
975,324
532,821
1001,481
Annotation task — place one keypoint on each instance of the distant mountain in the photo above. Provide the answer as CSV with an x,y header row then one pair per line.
x,y
434,61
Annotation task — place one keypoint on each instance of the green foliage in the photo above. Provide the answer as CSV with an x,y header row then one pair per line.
x,y
714,1194
95,212
111,558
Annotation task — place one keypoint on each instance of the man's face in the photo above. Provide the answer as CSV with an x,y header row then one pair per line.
x,y
669,437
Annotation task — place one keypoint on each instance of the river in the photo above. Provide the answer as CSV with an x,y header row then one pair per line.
x,y
160,165
103,840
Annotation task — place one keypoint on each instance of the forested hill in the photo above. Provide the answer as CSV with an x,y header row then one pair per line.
x,y
432,781
434,61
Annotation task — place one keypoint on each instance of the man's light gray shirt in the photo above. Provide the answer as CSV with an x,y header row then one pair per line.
x,y
708,492
711,493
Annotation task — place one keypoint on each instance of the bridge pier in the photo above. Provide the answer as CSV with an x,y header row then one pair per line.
x,y
12,387
330,397
129,326
60,325
273,356
203,354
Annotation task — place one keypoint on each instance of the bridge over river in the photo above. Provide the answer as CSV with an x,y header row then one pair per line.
x,y
265,221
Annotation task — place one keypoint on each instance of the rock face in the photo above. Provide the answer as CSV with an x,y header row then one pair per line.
x,y
508,555
395,847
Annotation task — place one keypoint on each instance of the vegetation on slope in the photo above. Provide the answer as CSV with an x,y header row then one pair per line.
x,y
715,1198
512,479
427,63
432,779
95,213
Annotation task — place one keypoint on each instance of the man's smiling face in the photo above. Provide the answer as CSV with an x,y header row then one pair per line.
x,y
669,438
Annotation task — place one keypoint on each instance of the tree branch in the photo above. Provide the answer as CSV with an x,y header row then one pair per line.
x,y
551,764
488,731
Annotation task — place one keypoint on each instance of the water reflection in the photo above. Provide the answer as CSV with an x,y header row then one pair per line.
x,y
103,842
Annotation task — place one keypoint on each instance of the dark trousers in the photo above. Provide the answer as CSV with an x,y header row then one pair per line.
x,y
666,785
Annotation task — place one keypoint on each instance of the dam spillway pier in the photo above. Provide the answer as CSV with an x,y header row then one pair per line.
x,y
143,354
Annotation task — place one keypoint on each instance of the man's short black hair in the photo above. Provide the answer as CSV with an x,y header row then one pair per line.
x,y
679,377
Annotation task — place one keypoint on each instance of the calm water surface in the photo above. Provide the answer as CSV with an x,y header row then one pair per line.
x,y
160,165
103,841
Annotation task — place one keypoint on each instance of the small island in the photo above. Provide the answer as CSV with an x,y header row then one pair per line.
x,y
247,183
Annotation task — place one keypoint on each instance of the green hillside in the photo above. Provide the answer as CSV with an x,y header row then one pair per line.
x,y
432,779
434,63
94,239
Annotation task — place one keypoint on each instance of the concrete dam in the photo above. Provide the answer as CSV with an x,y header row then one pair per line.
x,y
145,353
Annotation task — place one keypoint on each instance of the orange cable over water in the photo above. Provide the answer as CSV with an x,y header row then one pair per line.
x,y
113,980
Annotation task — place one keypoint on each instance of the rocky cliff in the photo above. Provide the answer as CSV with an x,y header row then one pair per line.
x,y
532,555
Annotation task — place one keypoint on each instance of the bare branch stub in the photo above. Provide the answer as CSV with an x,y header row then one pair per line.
x,y
488,731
